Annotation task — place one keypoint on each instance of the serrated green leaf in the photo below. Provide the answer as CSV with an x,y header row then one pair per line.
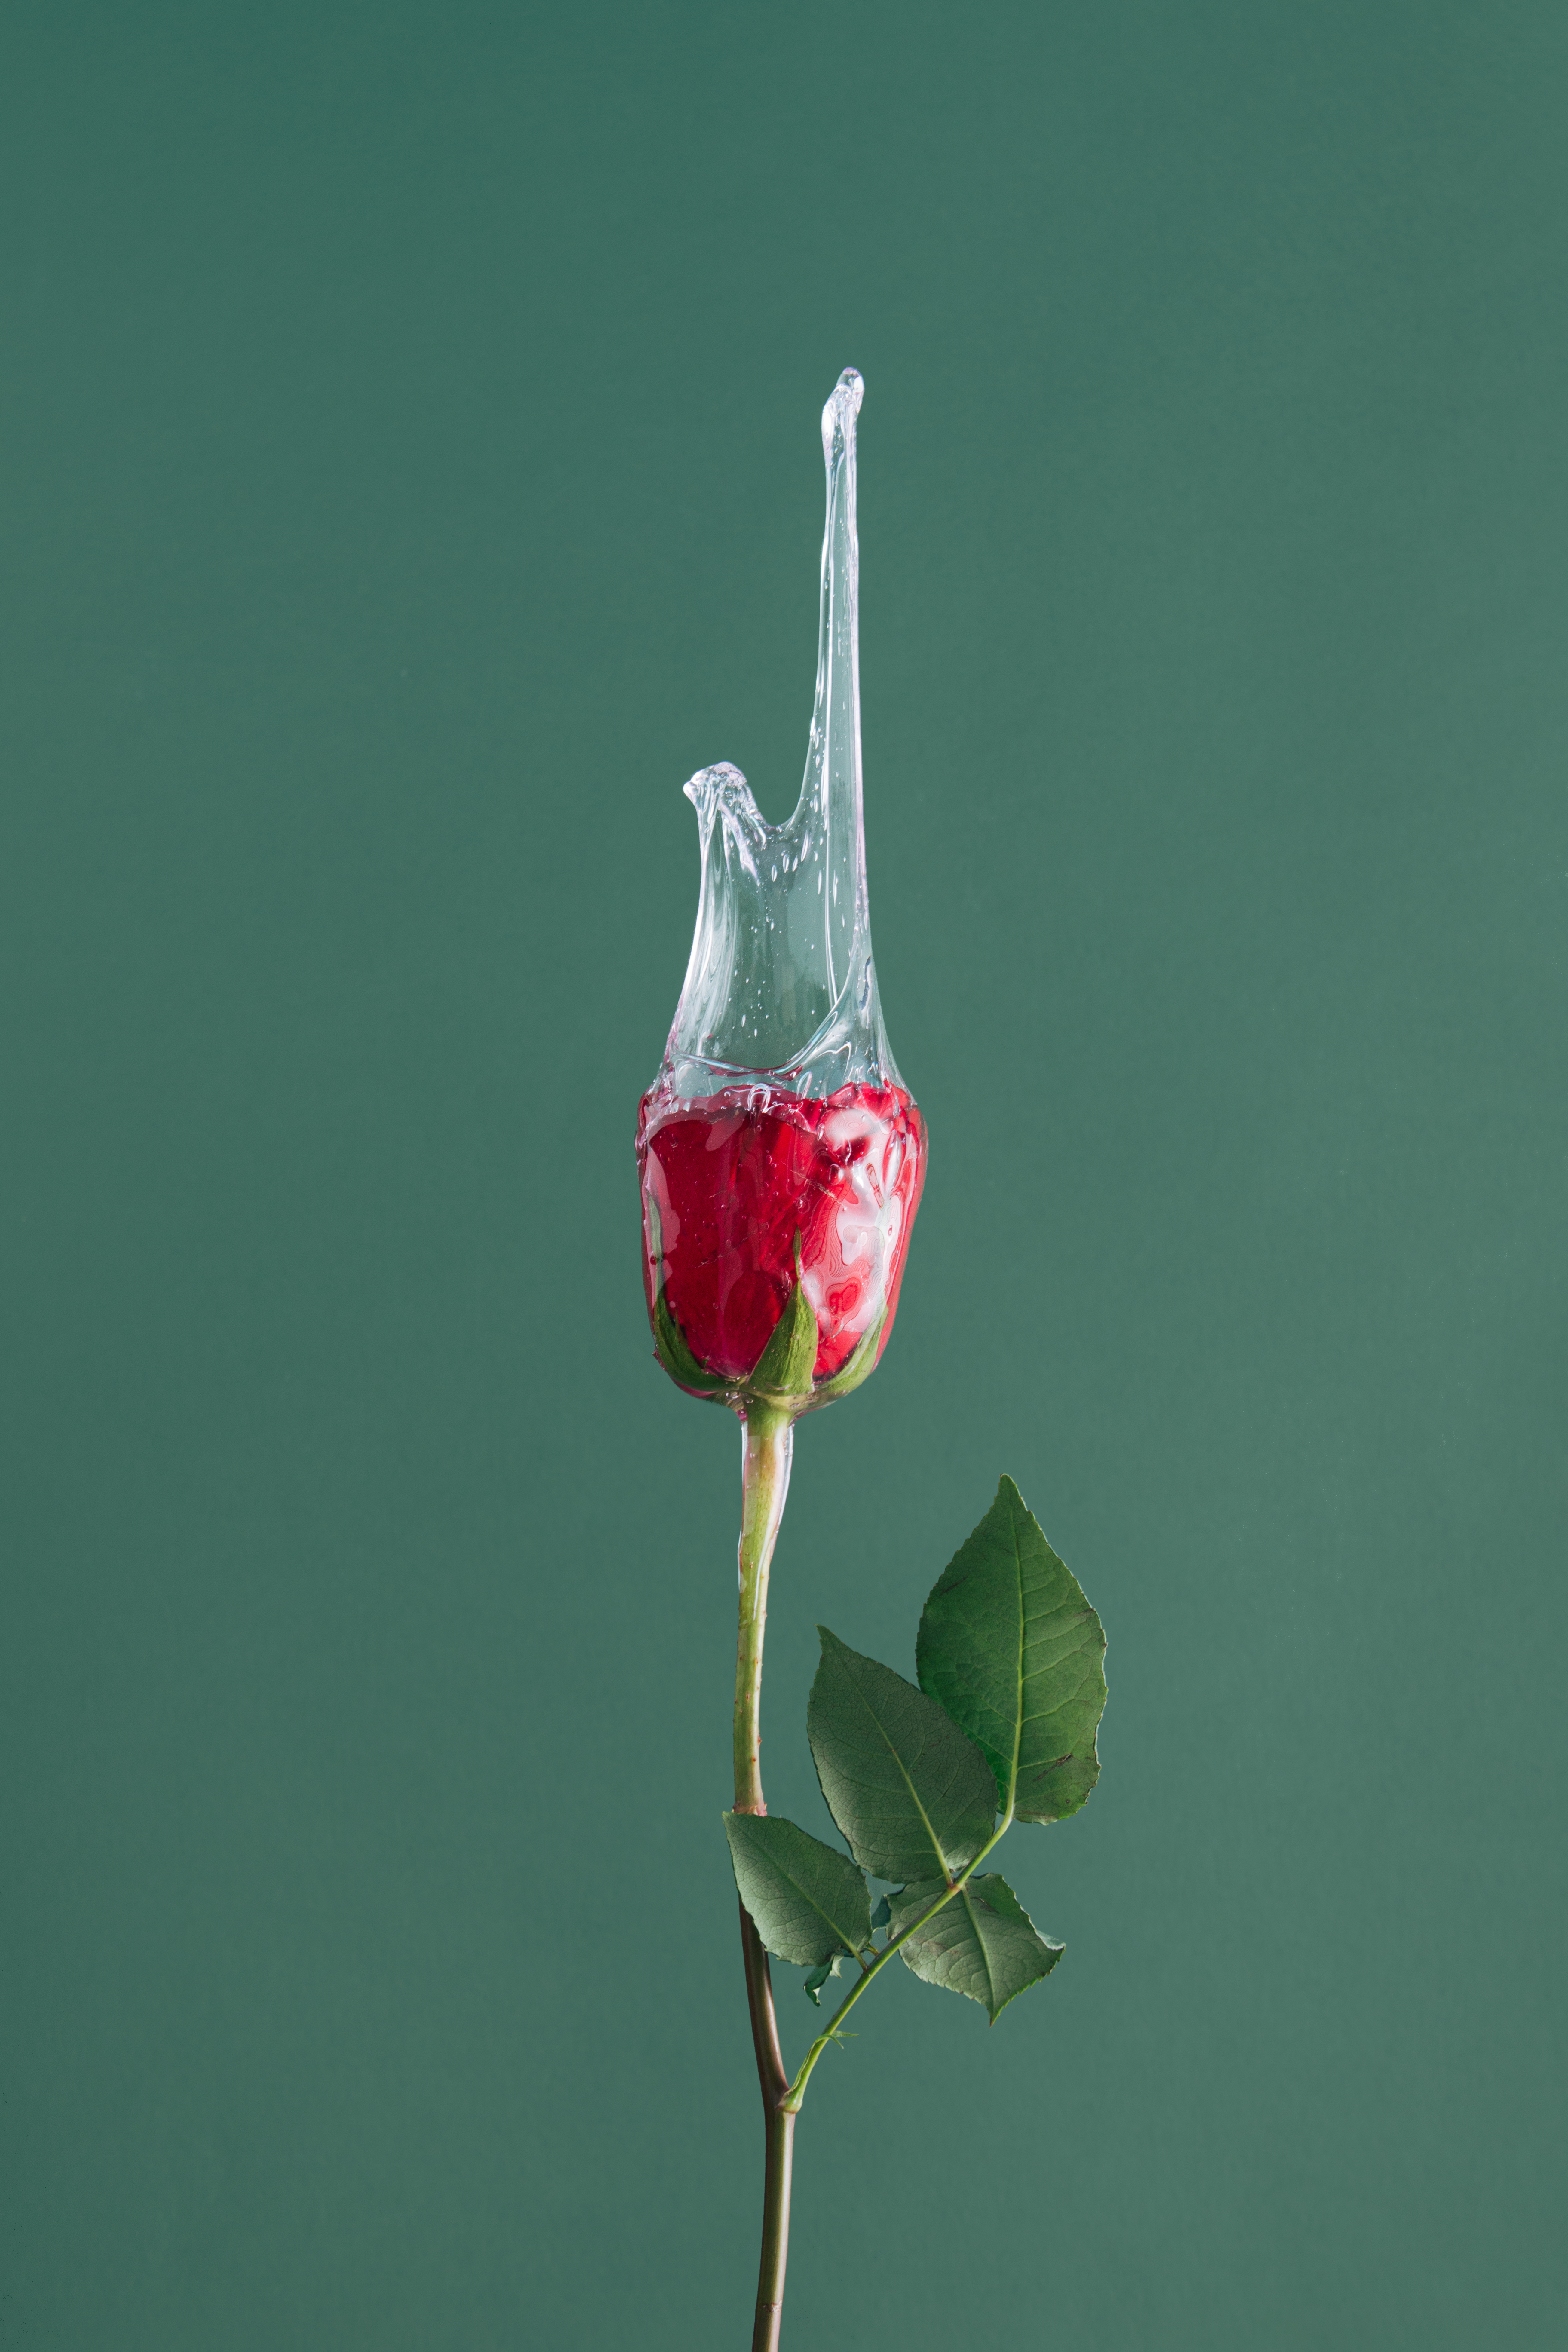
x,y
808,1900
881,1915
1013,1651
784,1367
912,1795
982,1944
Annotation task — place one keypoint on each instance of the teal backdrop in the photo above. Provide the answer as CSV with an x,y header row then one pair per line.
x,y
412,469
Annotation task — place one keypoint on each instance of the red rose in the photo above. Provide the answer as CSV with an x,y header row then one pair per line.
x,y
749,1190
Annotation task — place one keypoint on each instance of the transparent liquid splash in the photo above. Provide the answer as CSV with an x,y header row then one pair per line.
x,y
781,985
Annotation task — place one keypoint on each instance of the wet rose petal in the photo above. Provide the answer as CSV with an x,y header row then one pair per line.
x,y
734,1179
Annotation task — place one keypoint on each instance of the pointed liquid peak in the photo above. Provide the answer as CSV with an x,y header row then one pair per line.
x,y
781,1158
781,984
843,407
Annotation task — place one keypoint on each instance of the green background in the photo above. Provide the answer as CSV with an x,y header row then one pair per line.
x,y
412,475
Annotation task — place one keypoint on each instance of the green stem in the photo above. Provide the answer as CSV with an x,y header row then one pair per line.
x,y
768,1438
797,2091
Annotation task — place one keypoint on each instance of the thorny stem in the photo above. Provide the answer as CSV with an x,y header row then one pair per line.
x,y
768,1437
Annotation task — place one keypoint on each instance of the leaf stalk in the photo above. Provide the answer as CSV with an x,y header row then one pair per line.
x,y
796,2091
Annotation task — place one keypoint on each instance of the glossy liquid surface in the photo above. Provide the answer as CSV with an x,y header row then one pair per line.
x,y
736,1176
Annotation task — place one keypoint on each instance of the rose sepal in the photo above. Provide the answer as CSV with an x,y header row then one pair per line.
x,y
782,1373
670,1347
669,1341
860,1367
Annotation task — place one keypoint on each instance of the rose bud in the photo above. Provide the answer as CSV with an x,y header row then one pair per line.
x,y
781,1156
